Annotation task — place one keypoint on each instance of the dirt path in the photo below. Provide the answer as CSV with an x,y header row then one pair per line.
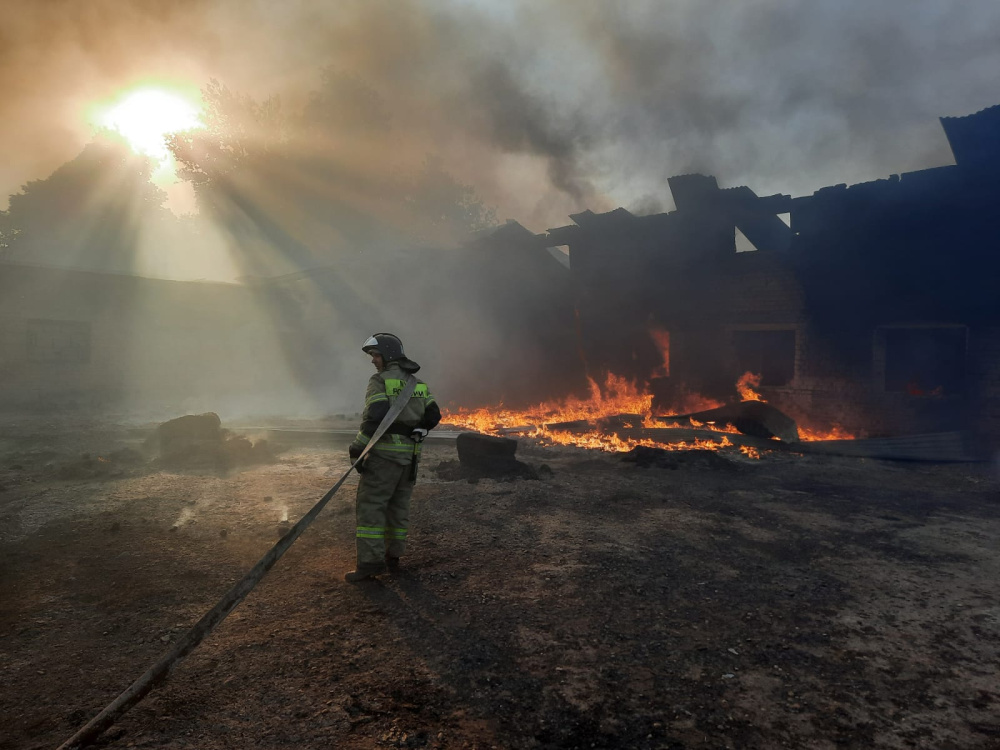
x,y
802,602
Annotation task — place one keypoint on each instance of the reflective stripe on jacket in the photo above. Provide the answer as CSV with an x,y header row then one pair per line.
x,y
383,388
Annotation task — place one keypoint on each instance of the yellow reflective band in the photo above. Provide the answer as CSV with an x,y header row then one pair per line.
x,y
393,387
404,449
362,438
376,399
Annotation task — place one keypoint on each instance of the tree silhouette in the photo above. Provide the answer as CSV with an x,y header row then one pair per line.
x,y
88,212
238,134
292,192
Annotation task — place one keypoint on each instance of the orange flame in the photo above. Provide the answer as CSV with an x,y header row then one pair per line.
x,y
713,426
632,410
836,432
618,397
746,384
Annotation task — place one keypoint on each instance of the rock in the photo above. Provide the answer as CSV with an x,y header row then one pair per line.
x,y
178,435
475,449
199,441
485,456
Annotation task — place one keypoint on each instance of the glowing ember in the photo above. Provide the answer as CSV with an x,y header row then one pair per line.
x,y
685,402
713,426
746,384
834,433
613,443
749,451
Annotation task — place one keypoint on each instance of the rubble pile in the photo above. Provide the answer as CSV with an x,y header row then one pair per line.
x,y
197,441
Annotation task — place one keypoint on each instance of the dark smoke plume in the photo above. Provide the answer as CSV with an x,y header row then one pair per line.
x,y
545,108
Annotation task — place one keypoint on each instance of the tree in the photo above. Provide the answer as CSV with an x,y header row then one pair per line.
x,y
238,134
292,191
446,203
87,213
8,235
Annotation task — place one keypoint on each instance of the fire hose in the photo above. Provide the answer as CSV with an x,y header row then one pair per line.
x,y
232,598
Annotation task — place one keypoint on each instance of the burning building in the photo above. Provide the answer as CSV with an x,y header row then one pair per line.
x,y
872,307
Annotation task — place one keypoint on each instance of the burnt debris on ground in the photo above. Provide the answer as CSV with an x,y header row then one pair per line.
x,y
661,458
801,601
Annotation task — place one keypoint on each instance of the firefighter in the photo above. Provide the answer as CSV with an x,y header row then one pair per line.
x,y
389,471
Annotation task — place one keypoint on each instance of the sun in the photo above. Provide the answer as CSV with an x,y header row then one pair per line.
x,y
145,116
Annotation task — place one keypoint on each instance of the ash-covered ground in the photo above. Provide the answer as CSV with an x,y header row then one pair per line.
x,y
795,601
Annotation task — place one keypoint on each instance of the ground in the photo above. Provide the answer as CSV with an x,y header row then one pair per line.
x,y
795,601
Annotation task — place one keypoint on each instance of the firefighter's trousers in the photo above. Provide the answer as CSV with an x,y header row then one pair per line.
x,y
383,510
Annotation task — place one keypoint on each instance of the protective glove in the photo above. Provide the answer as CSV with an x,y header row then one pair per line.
x,y
418,434
354,451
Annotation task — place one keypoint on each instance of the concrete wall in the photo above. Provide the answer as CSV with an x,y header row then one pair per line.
x,y
72,340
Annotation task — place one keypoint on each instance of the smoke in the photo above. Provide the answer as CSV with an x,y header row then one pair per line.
x,y
544,108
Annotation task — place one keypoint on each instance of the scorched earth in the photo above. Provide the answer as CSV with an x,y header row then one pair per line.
x,y
690,600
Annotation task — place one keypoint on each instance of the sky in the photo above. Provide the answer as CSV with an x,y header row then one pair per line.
x,y
545,107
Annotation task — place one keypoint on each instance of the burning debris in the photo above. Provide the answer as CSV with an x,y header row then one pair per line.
x,y
621,417
660,458
755,417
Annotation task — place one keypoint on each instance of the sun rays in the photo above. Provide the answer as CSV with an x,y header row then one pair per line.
x,y
145,116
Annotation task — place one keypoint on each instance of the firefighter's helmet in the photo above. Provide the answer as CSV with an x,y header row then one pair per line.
x,y
386,344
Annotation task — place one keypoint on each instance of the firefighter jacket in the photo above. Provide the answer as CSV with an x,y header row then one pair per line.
x,y
420,411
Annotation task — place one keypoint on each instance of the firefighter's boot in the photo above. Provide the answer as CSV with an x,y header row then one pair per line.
x,y
363,573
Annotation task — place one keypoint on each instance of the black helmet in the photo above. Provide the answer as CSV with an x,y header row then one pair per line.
x,y
386,344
